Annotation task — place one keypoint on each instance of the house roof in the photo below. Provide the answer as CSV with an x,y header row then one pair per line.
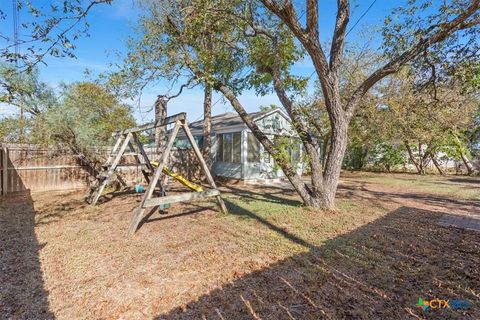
x,y
228,119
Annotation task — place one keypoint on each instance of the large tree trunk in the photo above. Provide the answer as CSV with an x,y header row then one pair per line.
x,y
318,195
418,164
437,165
325,143
160,132
207,125
467,163
302,189
328,73
333,165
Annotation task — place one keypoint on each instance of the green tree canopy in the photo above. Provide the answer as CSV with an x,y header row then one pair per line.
x,y
84,119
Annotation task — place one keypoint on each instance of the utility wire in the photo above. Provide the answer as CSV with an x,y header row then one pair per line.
x,y
361,17
16,42
15,29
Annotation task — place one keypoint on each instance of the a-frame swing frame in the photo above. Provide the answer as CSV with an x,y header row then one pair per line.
x,y
129,138
124,139
149,201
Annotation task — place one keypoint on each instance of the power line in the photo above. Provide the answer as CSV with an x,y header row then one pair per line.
x,y
361,17
16,41
15,29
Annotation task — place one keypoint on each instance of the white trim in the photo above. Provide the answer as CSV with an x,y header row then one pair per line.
x,y
231,129
283,114
5,170
244,157
286,133
241,127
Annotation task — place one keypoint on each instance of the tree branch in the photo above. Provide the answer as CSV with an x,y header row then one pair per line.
x,y
343,16
59,38
312,18
305,136
288,15
289,171
183,86
309,40
394,65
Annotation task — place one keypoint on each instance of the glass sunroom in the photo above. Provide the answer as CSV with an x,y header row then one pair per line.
x,y
237,154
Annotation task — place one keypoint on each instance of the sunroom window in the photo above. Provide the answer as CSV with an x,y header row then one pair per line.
x,y
253,148
229,146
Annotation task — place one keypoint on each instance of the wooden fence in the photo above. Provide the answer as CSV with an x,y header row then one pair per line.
x,y
36,168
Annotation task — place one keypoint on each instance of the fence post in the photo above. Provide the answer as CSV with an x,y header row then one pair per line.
x,y
5,170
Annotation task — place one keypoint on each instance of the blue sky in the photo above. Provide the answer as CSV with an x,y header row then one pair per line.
x,y
112,24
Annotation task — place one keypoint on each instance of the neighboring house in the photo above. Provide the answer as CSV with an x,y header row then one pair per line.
x,y
445,163
237,154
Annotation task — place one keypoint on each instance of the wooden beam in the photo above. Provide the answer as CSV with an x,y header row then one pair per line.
x,y
140,159
131,154
142,152
139,212
120,153
5,171
189,196
64,166
114,151
117,144
204,166
176,117
112,169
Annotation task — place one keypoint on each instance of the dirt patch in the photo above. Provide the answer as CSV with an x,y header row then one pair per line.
x,y
270,258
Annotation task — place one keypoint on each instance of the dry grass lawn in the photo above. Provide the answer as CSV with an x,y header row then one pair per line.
x,y
270,258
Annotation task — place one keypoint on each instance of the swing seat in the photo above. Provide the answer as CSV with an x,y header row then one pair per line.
x,y
139,188
164,206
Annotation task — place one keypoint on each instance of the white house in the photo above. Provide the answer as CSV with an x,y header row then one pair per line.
x,y
237,154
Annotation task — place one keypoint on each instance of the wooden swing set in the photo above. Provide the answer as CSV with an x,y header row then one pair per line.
x,y
154,173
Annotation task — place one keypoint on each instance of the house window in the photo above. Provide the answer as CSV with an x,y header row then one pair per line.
x,y
184,143
276,122
290,145
295,150
237,147
229,147
220,147
253,148
199,140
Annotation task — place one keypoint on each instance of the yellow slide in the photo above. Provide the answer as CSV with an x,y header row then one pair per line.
x,y
179,178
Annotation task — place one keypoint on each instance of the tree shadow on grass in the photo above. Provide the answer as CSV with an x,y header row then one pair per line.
x,y
165,215
377,271
400,197
465,180
240,211
278,196
22,292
